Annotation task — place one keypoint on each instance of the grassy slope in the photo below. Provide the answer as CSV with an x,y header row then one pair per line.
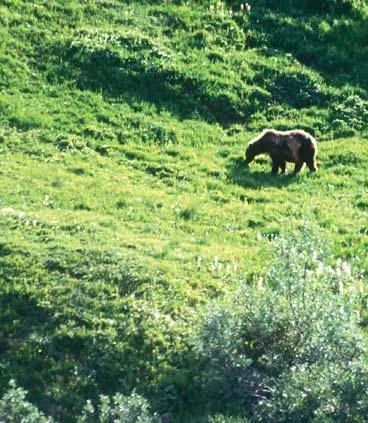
x,y
124,203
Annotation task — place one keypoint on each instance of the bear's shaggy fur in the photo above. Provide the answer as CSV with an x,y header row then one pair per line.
x,y
295,146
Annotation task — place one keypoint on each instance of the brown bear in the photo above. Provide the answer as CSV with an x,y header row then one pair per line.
x,y
295,146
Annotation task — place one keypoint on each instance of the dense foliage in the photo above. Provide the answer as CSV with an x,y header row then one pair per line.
x,y
289,348
14,408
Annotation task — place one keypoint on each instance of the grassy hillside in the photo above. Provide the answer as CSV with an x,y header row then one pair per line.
x,y
125,207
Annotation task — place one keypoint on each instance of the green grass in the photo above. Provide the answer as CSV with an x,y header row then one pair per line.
x,y
104,258
124,203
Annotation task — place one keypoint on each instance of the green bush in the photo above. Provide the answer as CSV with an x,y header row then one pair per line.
x,y
290,348
14,408
319,394
299,89
219,418
351,112
119,409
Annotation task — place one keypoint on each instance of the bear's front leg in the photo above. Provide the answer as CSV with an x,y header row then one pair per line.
x,y
275,167
298,168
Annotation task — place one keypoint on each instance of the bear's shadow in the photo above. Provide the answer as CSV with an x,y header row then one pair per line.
x,y
238,173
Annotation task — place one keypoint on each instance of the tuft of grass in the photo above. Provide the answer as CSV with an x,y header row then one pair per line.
x,y
188,213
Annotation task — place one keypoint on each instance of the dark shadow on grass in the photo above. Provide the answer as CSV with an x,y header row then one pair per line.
x,y
337,54
46,334
238,173
25,331
130,74
35,354
133,80
20,316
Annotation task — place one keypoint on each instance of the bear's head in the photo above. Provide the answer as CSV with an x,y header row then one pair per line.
x,y
259,145
250,154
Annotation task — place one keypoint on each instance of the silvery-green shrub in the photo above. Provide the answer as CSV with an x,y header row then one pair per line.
x,y
289,348
119,409
14,408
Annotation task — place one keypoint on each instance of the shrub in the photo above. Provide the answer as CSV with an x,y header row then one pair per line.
x,y
219,418
319,393
299,89
352,113
14,408
290,348
119,409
